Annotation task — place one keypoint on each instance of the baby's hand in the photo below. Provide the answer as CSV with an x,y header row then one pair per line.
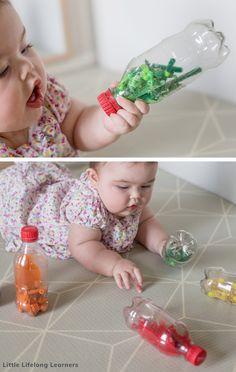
x,y
128,117
124,272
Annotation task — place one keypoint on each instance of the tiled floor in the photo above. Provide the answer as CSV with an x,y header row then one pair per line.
x,y
84,323
187,124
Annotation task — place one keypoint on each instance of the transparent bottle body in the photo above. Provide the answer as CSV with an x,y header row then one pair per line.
x,y
31,282
180,248
173,63
161,330
219,284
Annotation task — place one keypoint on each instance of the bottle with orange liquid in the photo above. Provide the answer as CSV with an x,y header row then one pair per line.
x,y
31,269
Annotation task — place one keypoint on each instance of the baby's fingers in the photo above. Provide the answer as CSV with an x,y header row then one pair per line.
x,y
118,281
142,106
122,280
119,124
138,279
129,106
114,84
131,119
126,279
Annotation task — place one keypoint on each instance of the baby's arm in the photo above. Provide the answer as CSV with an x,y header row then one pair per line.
x,y
150,233
88,128
86,247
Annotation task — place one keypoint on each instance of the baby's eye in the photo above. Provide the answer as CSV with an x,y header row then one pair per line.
x,y
146,186
122,187
25,50
3,73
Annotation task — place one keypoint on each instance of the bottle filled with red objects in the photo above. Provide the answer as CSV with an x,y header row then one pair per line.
x,y
31,271
168,335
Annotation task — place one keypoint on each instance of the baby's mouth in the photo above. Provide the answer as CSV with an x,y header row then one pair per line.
x,y
132,207
36,99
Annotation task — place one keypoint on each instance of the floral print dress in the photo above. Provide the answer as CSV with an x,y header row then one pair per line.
x,y
49,197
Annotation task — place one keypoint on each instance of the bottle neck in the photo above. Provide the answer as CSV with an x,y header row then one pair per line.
x,y
29,247
183,348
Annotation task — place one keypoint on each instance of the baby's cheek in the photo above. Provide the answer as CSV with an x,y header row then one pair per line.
x,y
119,202
10,112
112,202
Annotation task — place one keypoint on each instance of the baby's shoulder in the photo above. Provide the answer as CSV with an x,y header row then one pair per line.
x,y
87,197
84,205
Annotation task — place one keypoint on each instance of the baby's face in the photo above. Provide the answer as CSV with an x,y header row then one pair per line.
x,y
22,75
125,187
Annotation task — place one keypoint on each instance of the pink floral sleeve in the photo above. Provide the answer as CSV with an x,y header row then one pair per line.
x,y
87,211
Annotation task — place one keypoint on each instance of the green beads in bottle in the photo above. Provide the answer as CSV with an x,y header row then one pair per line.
x,y
150,82
179,248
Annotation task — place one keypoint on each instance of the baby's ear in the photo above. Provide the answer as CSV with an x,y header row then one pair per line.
x,y
92,175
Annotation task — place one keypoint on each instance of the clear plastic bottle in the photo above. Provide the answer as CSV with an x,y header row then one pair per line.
x,y
165,333
220,284
168,66
179,248
31,269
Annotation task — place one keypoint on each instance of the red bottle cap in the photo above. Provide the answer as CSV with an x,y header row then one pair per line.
x,y
196,355
29,234
108,102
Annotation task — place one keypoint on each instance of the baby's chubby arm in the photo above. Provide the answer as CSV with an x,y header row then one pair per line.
x,y
88,128
151,234
86,247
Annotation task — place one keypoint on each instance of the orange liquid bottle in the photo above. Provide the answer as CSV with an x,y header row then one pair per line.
x,y
31,267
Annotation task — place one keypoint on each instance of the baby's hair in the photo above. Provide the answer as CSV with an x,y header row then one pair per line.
x,y
5,2
98,164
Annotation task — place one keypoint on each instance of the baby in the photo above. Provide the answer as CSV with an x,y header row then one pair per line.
x,y
37,117
94,219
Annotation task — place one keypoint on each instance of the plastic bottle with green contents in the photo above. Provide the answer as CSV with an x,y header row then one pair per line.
x,y
168,66
179,249
220,284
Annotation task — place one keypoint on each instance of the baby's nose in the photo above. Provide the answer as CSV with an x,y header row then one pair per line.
x,y
26,69
135,195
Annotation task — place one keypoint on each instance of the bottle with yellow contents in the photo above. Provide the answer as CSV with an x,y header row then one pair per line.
x,y
220,284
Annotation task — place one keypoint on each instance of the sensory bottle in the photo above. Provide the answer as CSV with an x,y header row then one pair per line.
x,y
156,326
219,284
179,248
31,269
168,66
